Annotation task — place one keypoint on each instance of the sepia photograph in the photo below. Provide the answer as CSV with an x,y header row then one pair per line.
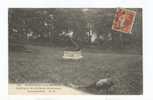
x,y
84,51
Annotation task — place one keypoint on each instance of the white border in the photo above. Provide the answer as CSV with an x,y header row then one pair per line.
x,y
75,3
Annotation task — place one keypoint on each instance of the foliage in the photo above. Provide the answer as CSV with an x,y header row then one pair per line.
x,y
50,23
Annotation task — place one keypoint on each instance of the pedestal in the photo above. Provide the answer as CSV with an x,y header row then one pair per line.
x,y
74,55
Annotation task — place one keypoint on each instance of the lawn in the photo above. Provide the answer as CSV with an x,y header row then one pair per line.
x,y
43,64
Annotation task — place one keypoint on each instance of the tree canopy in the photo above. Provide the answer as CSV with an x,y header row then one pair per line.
x,y
50,23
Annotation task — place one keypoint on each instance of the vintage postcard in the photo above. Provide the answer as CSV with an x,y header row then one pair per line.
x,y
75,51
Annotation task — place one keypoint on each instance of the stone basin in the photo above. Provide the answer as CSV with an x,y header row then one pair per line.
x,y
74,55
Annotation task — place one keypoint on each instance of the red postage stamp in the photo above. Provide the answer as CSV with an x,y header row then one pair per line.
x,y
124,20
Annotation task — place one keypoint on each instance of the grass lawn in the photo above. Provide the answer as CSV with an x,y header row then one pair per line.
x,y
45,65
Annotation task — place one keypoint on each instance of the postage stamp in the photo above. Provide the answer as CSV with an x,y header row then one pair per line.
x,y
124,20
